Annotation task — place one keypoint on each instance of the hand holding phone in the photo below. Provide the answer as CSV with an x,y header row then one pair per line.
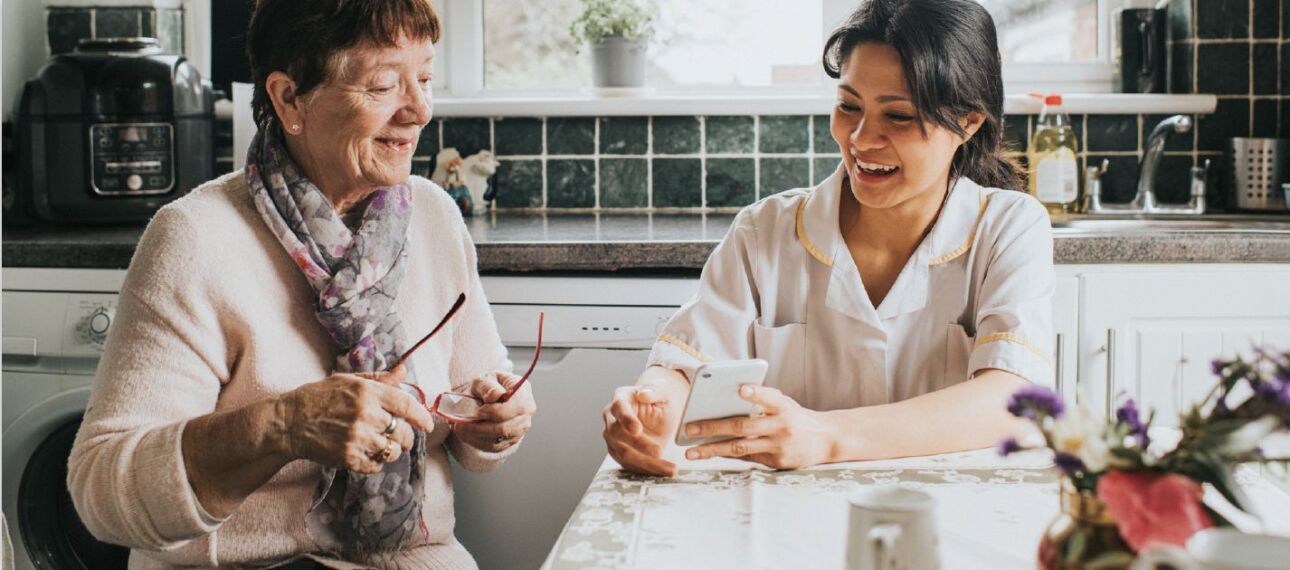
x,y
714,394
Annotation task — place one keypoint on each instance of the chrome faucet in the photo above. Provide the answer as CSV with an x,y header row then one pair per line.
x,y
1145,200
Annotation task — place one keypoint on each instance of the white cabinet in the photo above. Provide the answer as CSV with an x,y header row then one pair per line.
x,y
1066,335
1150,332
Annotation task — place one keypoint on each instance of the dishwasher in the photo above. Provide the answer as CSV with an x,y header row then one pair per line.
x,y
597,336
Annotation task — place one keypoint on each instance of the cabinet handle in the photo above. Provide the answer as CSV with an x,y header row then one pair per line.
x,y
1110,369
1058,373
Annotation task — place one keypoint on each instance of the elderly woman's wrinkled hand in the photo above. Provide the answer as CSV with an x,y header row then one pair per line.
x,y
344,420
501,424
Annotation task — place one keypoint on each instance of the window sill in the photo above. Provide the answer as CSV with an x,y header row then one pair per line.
x,y
795,104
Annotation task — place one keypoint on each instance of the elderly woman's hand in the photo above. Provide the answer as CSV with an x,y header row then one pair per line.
x,y
501,424
342,421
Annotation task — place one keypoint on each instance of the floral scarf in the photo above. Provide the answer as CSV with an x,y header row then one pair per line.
x,y
356,275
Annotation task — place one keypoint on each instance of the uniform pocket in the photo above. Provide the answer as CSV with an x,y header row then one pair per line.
x,y
958,348
782,347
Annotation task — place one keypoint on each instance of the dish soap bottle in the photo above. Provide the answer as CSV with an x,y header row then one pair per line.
x,y
1051,155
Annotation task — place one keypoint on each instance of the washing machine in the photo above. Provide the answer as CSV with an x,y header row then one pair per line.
x,y
54,325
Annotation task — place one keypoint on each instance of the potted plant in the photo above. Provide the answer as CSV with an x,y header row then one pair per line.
x,y
1122,491
617,31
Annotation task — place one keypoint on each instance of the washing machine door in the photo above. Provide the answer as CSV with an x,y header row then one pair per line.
x,y
49,534
52,532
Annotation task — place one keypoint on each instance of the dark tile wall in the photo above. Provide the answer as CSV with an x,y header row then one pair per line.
x,y
1238,50
66,26
724,162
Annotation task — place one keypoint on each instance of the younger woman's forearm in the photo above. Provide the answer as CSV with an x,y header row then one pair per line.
x,y
969,415
229,455
666,380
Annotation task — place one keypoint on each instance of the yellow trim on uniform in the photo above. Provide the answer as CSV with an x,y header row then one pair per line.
x,y
1015,338
962,249
687,348
806,241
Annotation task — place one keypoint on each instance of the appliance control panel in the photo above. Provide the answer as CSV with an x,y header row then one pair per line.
x,y
132,159
44,327
88,319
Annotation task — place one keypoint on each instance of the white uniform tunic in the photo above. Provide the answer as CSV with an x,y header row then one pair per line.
x,y
782,286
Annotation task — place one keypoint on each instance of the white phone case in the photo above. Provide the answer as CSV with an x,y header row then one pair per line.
x,y
714,393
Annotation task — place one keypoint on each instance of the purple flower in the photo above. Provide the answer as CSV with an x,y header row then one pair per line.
x,y
1276,394
1009,446
1069,464
1036,402
1217,366
1129,416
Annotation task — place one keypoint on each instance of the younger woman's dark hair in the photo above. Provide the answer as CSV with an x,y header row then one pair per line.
x,y
304,39
950,55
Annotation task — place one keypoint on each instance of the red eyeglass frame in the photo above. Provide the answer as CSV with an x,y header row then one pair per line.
x,y
435,407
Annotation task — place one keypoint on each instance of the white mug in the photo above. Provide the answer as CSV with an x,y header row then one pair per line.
x,y
1220,549
891,528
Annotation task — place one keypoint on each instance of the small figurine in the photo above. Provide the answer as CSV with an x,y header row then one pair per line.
x,y
475,171
465,180
447,175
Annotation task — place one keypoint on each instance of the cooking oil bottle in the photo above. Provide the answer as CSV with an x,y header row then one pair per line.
x,y
1054,172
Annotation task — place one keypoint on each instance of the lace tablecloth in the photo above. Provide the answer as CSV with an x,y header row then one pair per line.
x,y
990,513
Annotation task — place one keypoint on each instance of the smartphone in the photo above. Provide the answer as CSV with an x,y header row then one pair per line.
x,y
714,394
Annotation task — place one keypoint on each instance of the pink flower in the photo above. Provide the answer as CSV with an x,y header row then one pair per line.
x,y
1153,507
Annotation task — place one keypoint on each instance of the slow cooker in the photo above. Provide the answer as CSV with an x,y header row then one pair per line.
x,y
112,131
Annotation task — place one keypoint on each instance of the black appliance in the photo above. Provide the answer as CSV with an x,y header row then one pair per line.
x,y
1142,62
111,132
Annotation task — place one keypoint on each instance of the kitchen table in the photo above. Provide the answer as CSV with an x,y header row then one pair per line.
x,y
990,512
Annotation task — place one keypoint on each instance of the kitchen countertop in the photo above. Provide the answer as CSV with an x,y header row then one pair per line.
x,y
614,242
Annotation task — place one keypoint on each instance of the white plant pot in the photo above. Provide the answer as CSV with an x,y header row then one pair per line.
x,y
616,62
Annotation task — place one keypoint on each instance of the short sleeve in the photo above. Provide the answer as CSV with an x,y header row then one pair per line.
x,y
1014,319
717,323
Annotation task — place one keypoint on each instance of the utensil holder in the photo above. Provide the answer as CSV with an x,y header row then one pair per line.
x,y
1256,168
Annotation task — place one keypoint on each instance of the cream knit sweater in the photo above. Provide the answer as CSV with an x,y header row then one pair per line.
x,y
214,315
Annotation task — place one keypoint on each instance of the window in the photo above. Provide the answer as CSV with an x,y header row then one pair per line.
x,y
1045,31
714,43
517,47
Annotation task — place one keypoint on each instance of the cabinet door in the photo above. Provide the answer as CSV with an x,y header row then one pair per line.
x,y
1150,333
1065,334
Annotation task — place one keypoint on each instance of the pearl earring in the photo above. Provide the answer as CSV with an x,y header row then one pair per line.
x,y
295,127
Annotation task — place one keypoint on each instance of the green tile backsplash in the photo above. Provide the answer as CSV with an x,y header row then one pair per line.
x,y
721,162
784,134
676,135
678,182
624,135
784,173
624,183
728,135
731,182
571,183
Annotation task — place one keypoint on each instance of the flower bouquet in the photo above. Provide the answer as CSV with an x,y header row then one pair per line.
x,y
1122,491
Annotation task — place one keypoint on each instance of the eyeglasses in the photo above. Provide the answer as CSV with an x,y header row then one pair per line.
x,y
463,408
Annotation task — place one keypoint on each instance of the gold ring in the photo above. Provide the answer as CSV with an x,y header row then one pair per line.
x,y
390,429
386,451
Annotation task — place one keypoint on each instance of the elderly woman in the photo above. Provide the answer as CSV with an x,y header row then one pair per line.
x,y
248,410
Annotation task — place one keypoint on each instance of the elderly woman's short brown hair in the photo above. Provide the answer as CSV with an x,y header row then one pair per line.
x,y
303,38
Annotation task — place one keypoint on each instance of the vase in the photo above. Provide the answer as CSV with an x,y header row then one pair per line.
x,y
1083,535
618,62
